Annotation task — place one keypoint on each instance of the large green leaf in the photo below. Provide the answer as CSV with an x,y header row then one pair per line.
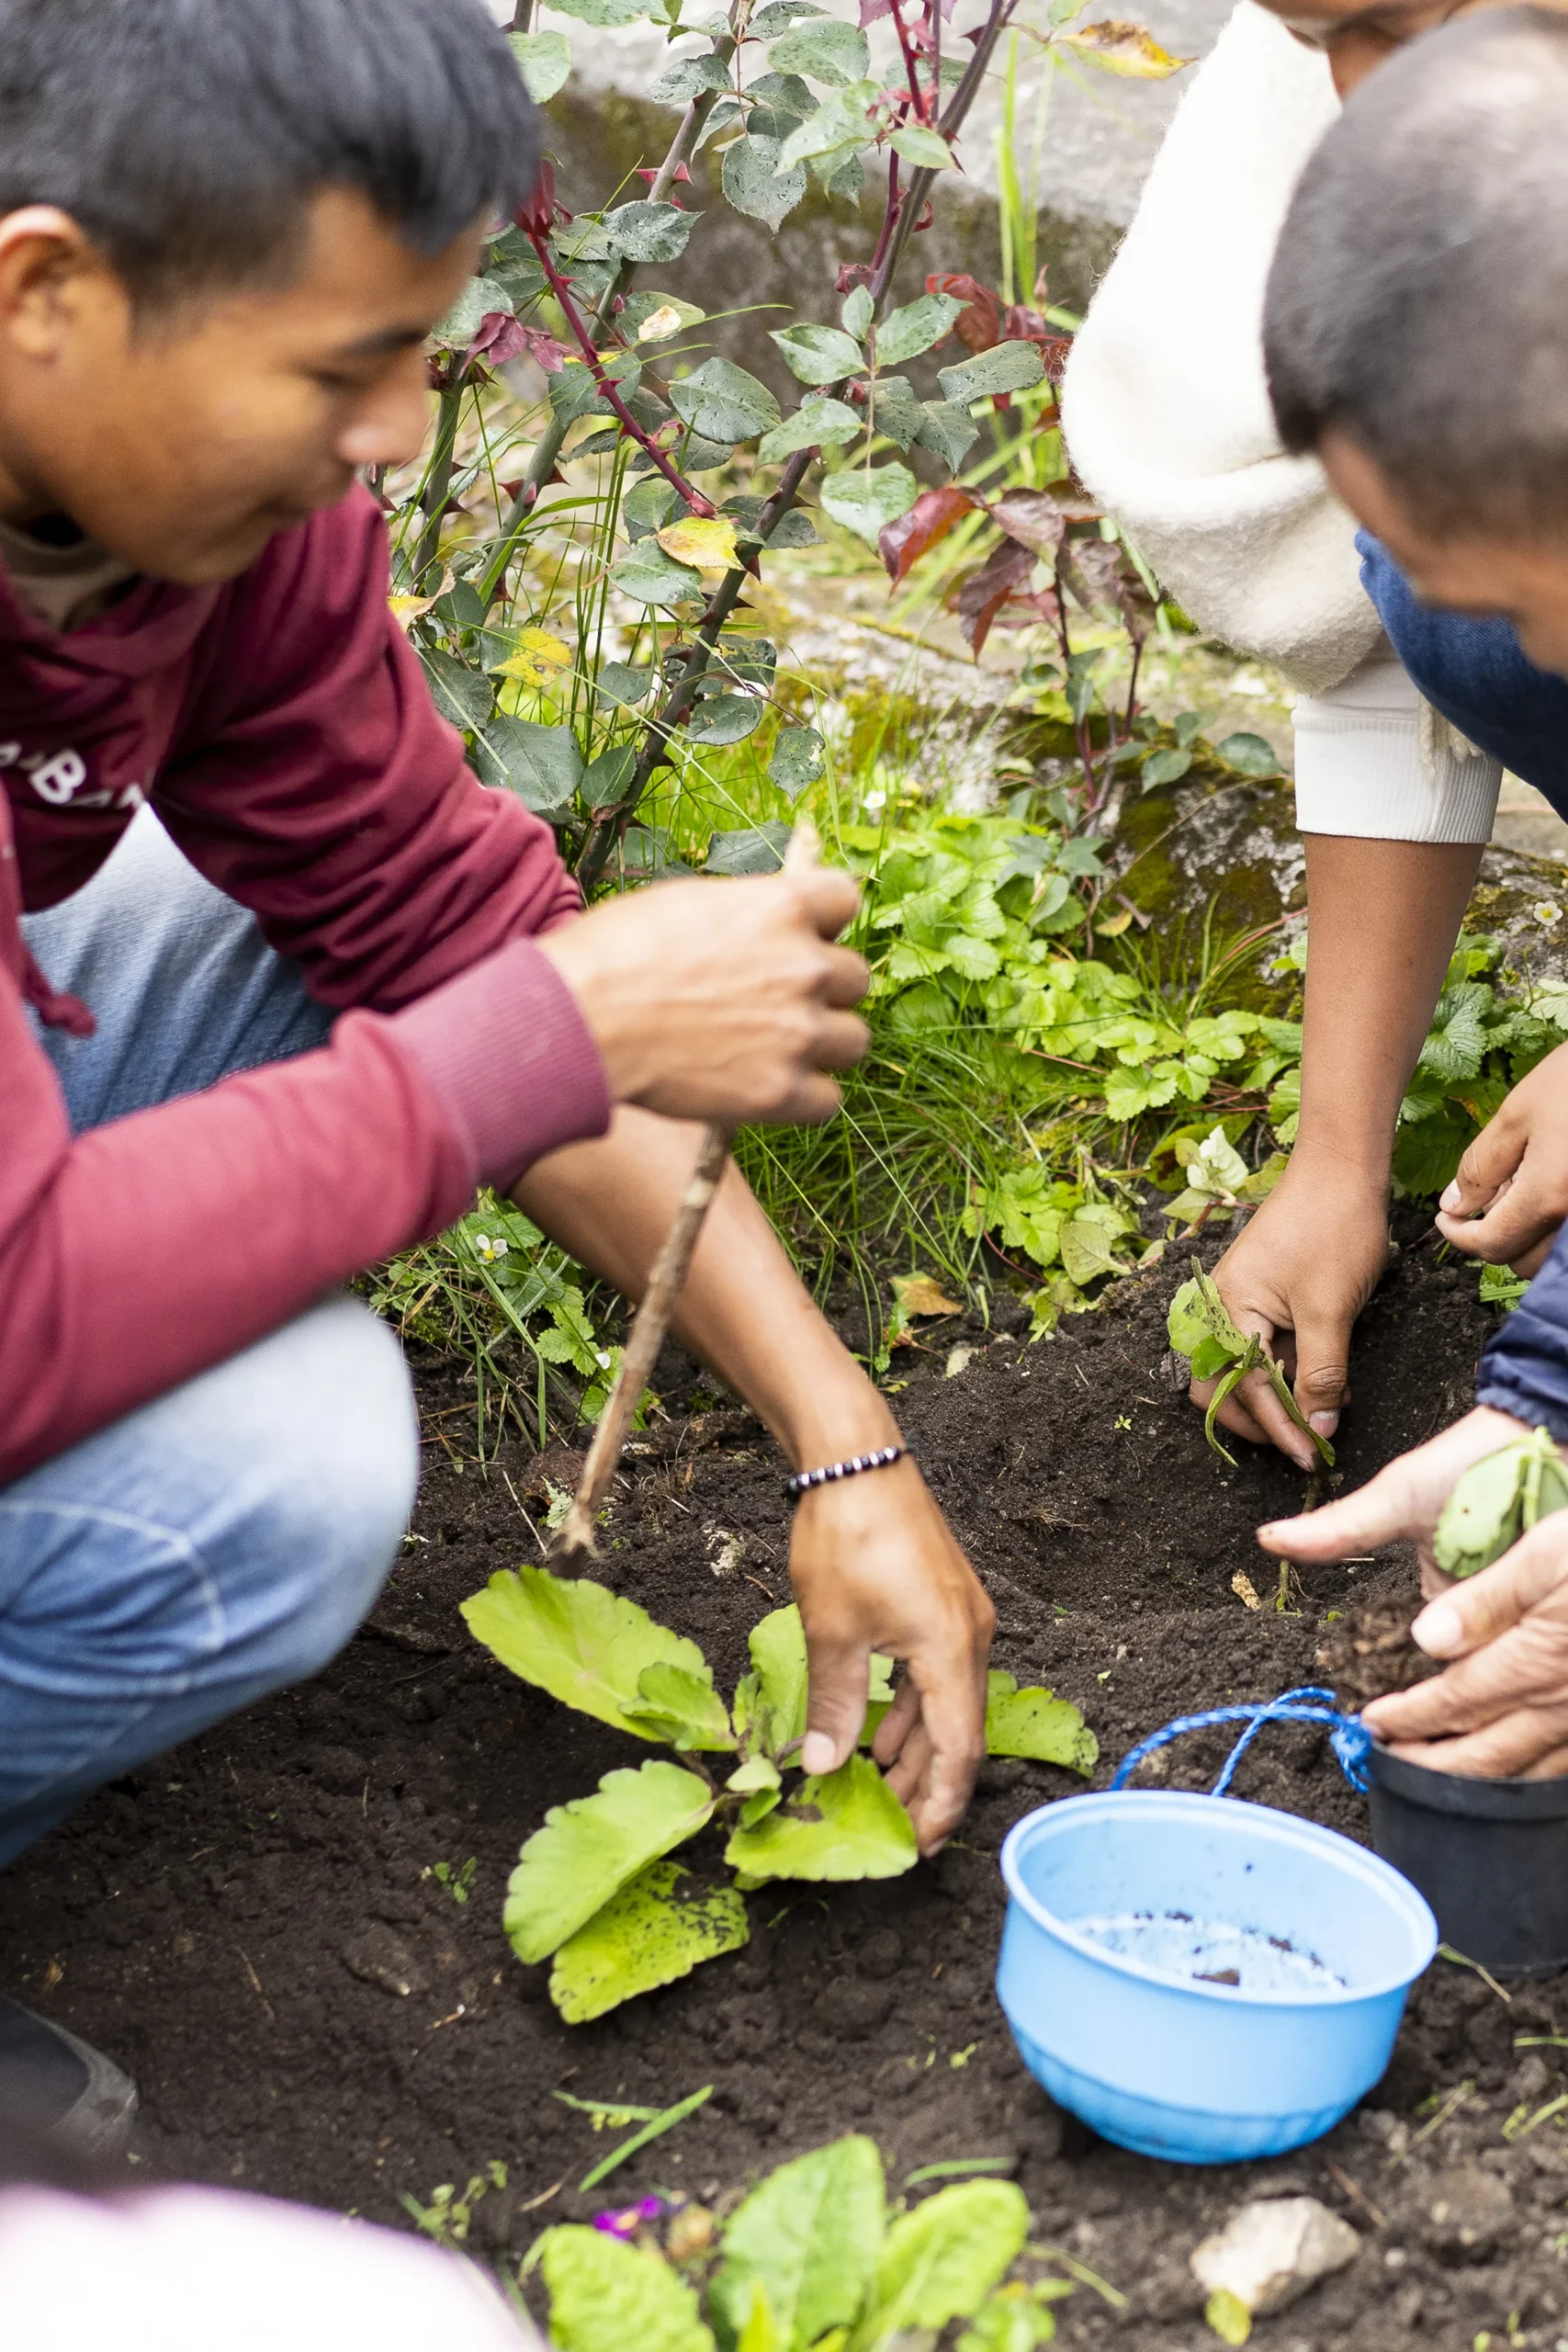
x,y
725,719
649,576
948,431
544,60
777,1643
865,501
463,696
941,2261
644,231
809,2236
915,328
1006,368
799,759
646,1935
606,2296
1038,1724
751,849
673,1703
847,1824
722,403
576,1639
571,1868
817,423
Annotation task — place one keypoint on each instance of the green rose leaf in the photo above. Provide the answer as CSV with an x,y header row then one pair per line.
x,y
723,404
479,297
605,2295
649,576
618,683
799,759
646,1935
724,719
1006,368
948,431
841,125
649,231
823,49
1166,767
896,411
584,1645
846,1824
1251,754
817,423
865,502
1038,1724
541,765
686,77
926,149
818,354
544,60
916,328
778,15
858,312
755,185
587,1849
753,848
464,696
809,2237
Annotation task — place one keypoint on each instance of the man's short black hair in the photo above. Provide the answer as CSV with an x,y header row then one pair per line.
x,y
1419,300
188,137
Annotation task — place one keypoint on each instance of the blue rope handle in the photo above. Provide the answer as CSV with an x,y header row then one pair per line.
x,y
1348,1734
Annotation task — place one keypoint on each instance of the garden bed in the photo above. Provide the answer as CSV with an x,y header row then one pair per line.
x,y
254,1927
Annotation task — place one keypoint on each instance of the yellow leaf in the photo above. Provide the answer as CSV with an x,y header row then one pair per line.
x,y
1228,2316
406,610
707,541
538,658
1117,47
1114,925
660,324
921,1295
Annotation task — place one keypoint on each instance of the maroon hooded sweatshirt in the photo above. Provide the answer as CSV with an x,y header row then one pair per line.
x,y
282,729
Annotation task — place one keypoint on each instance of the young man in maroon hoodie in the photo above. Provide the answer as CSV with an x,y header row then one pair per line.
x,y
280,981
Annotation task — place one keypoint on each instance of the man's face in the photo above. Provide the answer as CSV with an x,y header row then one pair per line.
x,y
1356,38
1525,581
182,440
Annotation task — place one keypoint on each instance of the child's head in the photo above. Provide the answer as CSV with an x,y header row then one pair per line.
x,y
226,227
1358,35
1416,322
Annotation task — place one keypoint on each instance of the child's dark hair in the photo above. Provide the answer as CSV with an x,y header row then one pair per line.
x,y
1419,300
187,137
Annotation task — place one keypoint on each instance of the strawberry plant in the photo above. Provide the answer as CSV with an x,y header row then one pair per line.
x,y
595,1891
1498,1500
811,2261
1203,1331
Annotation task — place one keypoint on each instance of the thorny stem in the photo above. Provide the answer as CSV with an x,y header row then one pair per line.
x,y
542,464
438,480
596,366
899,220
919,98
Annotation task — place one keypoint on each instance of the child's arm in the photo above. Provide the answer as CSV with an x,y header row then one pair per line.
x,y
1384,915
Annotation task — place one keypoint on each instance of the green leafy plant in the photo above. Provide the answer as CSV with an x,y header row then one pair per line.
x,y
449,2215
811,2261
1498,1500
595,1891
457,1878
1201,1331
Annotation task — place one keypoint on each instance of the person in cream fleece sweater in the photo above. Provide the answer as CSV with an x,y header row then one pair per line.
x,y
1168,417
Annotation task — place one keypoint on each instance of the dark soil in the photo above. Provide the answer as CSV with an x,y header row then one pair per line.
x,y
251,1925
1370,1652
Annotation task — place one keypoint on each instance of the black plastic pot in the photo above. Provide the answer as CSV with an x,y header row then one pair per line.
x,y
1490,1856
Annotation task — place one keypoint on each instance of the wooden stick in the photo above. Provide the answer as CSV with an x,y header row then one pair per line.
x,y
652,1319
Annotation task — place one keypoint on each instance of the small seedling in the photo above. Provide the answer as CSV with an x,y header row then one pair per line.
x,y
458,1881
811,2258
1201,1331
594,1891
1498,1500
448,2216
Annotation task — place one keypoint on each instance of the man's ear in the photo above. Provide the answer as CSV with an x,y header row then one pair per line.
x,y
48,267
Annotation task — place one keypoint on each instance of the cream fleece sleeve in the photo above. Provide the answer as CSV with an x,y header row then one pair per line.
x,y
1375,760
1165,403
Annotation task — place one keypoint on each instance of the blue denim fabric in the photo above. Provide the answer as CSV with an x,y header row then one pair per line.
x,y
228,1538
1476,674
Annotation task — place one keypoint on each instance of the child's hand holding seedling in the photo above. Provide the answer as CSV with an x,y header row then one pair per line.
x,y
1202,1330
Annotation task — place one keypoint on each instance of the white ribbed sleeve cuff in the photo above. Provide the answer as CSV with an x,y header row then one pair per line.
x,y
1360,769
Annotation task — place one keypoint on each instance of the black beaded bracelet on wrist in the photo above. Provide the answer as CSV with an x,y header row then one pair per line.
x,y
804,1480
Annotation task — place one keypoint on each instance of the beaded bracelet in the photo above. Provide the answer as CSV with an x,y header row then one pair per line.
x,y
803,1482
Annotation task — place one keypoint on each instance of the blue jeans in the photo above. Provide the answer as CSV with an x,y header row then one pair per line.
x,y
226,1539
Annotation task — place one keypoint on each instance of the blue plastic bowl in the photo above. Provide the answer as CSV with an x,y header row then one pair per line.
x,y
1127,1911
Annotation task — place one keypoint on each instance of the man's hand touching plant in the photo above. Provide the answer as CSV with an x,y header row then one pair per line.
x,y
1500,1709
1510,1193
